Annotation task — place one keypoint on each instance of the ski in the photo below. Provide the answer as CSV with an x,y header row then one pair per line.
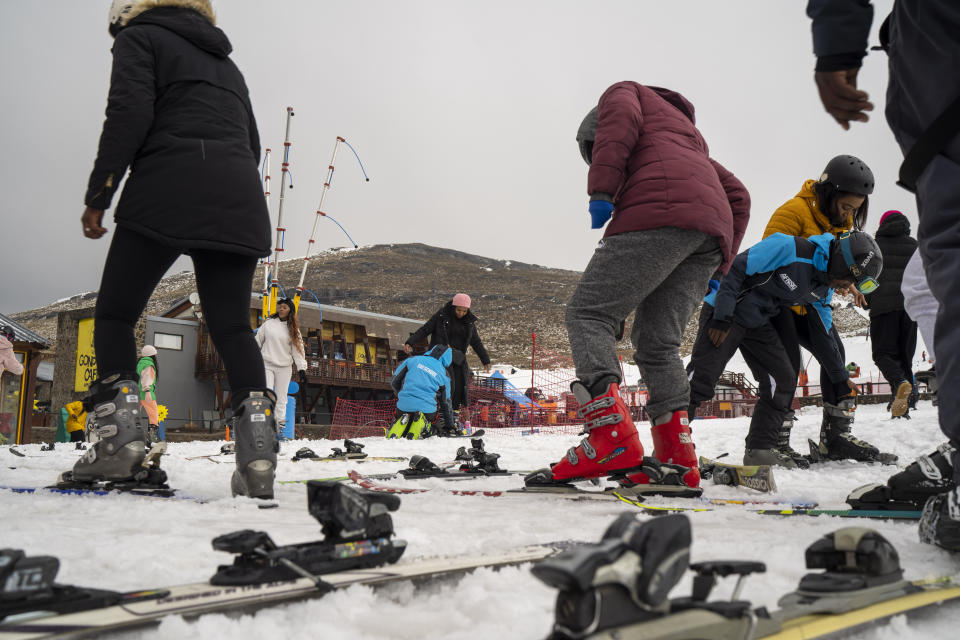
x,y
628,495
357,549
757,477
619,588
844,513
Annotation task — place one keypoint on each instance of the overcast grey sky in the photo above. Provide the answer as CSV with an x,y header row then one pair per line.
x,y
464,114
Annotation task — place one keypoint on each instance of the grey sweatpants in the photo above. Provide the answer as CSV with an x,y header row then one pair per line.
x,y
661,274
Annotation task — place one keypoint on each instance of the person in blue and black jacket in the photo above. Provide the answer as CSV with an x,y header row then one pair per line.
x,y
780,270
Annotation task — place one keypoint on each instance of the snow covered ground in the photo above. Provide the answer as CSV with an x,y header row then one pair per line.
x,y
128,542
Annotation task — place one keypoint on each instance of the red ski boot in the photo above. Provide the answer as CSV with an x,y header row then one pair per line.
x,y
672,444
611,444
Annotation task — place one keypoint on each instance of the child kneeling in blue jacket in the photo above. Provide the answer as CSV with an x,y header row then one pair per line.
x,y
423,390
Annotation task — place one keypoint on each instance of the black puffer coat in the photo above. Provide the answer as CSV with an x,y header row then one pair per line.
x,y
893,238
179,117
457,333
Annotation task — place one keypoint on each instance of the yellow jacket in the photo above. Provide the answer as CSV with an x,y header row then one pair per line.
x,y
76,416
800,216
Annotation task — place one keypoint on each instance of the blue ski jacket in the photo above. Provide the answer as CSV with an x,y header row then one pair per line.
x,y
781,270
418,379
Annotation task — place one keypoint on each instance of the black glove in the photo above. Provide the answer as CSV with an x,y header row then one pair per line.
x,y
303,377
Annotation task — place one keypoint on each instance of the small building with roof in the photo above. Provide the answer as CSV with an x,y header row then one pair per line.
x,y
17,392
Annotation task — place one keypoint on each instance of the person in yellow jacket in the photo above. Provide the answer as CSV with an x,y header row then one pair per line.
x,y
836,203
76,420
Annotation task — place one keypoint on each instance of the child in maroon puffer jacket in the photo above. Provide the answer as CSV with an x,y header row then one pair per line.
x,y
676,217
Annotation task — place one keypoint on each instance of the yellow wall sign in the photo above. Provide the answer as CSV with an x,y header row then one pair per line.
x,y
86,357
725,406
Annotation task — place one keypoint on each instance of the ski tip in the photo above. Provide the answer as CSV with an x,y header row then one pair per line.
x,y
268,505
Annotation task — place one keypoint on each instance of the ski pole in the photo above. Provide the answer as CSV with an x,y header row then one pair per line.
x,y
278,249
320,214
265,292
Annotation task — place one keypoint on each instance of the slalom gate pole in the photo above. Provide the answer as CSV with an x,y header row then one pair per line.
x,y
265,292
320,214
278,249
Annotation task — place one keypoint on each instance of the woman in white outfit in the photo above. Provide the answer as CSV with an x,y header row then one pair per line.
x,y
282,346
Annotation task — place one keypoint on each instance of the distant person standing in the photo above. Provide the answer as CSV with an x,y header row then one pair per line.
x,y
76,420
179,117
149,372
893,334
455,326
8,361
281,345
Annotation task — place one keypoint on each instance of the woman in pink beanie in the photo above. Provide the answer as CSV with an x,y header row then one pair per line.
x,y
455,326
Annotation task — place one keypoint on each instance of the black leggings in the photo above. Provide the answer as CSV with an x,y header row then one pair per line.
x,y
134,266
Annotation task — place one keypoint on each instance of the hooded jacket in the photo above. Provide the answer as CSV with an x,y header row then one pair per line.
x,y
276,347
652,161
800,216
179,116
893,238
418,379
457,333
8,361
781,270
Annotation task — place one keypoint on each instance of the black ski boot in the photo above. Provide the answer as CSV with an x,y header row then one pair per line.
x,y
257,444
940,523
623,579
783,443
772,457
927,476
836,441
120,452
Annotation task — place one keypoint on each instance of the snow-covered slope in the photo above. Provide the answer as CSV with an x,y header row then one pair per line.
x,y
126,542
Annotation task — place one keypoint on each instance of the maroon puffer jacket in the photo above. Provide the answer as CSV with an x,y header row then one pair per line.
x,y
651,158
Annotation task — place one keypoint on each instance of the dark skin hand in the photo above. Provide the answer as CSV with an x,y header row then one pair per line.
x,y
91,221
717,336
841,98
853,386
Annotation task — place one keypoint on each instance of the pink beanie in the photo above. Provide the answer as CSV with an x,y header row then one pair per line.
x,y
461,300
888,214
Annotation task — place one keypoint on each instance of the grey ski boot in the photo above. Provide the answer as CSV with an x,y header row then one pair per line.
x,y
256,443
116,421
770,457
836,441
783,442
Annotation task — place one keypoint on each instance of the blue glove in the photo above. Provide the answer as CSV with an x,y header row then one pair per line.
x,y
600,211
713,285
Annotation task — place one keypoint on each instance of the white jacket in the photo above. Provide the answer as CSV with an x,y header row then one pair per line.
x,y
278,350
8,361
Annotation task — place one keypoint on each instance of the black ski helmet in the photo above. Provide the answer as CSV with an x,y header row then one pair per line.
x,y
7,331
587,133
848,174
856,254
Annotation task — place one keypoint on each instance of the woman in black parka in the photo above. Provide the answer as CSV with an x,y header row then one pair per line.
x,y
179,117
455,326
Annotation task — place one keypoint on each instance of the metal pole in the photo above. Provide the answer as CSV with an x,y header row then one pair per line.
x,y
278,248
265,292
316,220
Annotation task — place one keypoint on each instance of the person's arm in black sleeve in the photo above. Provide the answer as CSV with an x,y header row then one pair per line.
x,y
427,329
446,409
396,382
478,347
726,300
129,115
